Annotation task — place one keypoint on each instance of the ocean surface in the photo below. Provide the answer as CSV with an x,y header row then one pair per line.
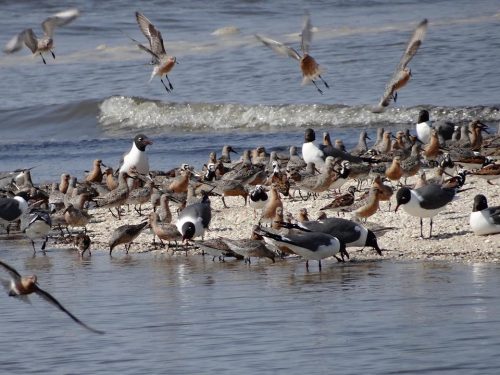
x,y
186,315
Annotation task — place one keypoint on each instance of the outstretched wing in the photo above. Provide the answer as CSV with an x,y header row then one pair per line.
x,y
46,296
151,33
413,44
58,20
13,273
15,44
306,34
411,49
278,47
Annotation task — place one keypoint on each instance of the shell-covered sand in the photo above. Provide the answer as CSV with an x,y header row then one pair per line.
x,y
452,238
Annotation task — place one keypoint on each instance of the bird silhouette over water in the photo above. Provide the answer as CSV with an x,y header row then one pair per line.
x,y
308,65
21,286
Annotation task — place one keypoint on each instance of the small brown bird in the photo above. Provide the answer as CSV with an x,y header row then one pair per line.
x,y
125,234
269,210
394,172
164,231
95,174
308,65
402,74
76,217
341,201
371,206
82,242
488,172
386,191
21,286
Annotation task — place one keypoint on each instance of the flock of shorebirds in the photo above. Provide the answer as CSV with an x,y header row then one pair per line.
x,y
451,153
164,63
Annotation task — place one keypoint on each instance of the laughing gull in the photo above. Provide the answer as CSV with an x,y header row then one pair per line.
x,y
125,234
402,74
46,42
308,65
310,245
162,62
38,227
483,219
194,219
137,155
424,128
353,234
426,201
12,209
21,287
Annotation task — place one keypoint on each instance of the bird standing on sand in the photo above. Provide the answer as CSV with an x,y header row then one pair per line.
x,y
125,234
163,63
402,74
46,42
21,286
426,201
137,155
308,65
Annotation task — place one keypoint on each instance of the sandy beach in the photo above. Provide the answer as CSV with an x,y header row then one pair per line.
x,y
452,238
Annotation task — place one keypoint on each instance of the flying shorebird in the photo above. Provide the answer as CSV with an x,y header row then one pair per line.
x,y
46,42
402,74
162,62
21,286
308,65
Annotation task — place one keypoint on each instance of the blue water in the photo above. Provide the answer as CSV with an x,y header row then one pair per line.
x,y
187,315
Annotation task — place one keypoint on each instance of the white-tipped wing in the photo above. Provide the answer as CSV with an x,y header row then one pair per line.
x,y
58,20
306,34
278,47
151,33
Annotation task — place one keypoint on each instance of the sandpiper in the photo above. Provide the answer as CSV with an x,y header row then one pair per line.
x,y
22,286
308,65
125,234
46,42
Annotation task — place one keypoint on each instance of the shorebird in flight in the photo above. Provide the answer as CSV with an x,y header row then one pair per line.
x,y
21,286
402,74
163,63
308,65
46,42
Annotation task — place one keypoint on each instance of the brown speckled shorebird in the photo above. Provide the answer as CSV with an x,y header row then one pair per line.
x,y
164,231
370,207
125,234
117,197
22,286
46,42
76,217
385,191
402,74
111,182
249,248
226,154
140,196
488,172
82,243
64,183
308,65
216,248
341,201
432,150
96,174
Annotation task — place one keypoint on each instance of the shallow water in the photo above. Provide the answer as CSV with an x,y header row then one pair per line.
x,y
178,315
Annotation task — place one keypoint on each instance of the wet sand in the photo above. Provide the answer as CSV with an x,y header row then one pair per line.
x,y
452,238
